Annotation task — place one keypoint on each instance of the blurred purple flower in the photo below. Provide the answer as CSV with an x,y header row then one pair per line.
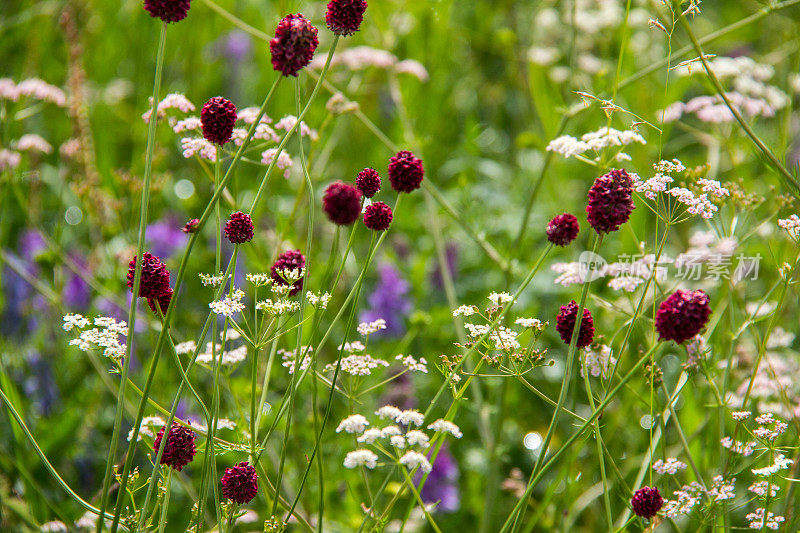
x,y
165,236
31,244
442,483
389,300
238,46
400,391
451,258
40,384
76,294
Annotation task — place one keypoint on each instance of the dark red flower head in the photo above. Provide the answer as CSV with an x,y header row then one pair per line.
x,y
344,16
378,216
610,201
292,260
682,316
368,182
191,226
293,46
563,229
218,118
405,171
163,302
155,276
239,228
565,324
167,10
342,203
179,449
646,502
240,483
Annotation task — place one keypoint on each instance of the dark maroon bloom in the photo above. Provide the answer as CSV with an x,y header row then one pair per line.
x,y
610,201
218,118
239,228
405,171
344,16
191,226
240,483
291,260
293,46
565,324
179,449
167,10
682,316
378,216
646,502
155,276
342,203
163,302
368,182
563,229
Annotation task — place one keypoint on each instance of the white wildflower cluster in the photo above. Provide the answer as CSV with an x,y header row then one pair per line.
x,y
222,423
722,489
55,526
743,448
188,124
171,101
259,279
752,96
476,330
706,248
500,298
193,146
769,428
465,310
791,225
33,88
445,426
569,146
148,427
289,121
598,361
352,347
278,307
228,358
248,115
367,328
362,57
757,520
361,457
9,159
357,365
353,424
412,364
530,323
780,338
413,460
781,463
670,466
685,500
230,305
31,142
211,280
504,339
185,347
289,359
318,300
290,275
284,161
696,204
740,415
406,417
104,335
759,488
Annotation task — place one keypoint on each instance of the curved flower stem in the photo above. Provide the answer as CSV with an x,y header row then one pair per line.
x,y
162,522
598,439
137,280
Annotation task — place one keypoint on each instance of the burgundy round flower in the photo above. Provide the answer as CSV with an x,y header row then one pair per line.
x,y
179,449
563,229
610,201
163,302
342,203
646,502
293,45
155,276
240,483
191,226
565,324
239,228
378,216
682,316
218,118
292,260
168,10
368,182
344,16
405,171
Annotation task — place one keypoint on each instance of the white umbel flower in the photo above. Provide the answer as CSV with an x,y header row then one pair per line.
x,y
361,457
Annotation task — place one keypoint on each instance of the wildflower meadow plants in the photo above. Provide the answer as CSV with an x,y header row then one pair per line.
x,y
399,266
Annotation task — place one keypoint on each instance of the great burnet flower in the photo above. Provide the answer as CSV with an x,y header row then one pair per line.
x,y
179,449
239,228
563,229
368,182
217,119
155,276
344,17
240,483
405,171
646,502
342,203
191,226
163,302
167,10
682,316
288,260
565,324
610,201
294,44
378,216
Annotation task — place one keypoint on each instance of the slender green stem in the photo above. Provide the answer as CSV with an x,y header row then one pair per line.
x,y
600,455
